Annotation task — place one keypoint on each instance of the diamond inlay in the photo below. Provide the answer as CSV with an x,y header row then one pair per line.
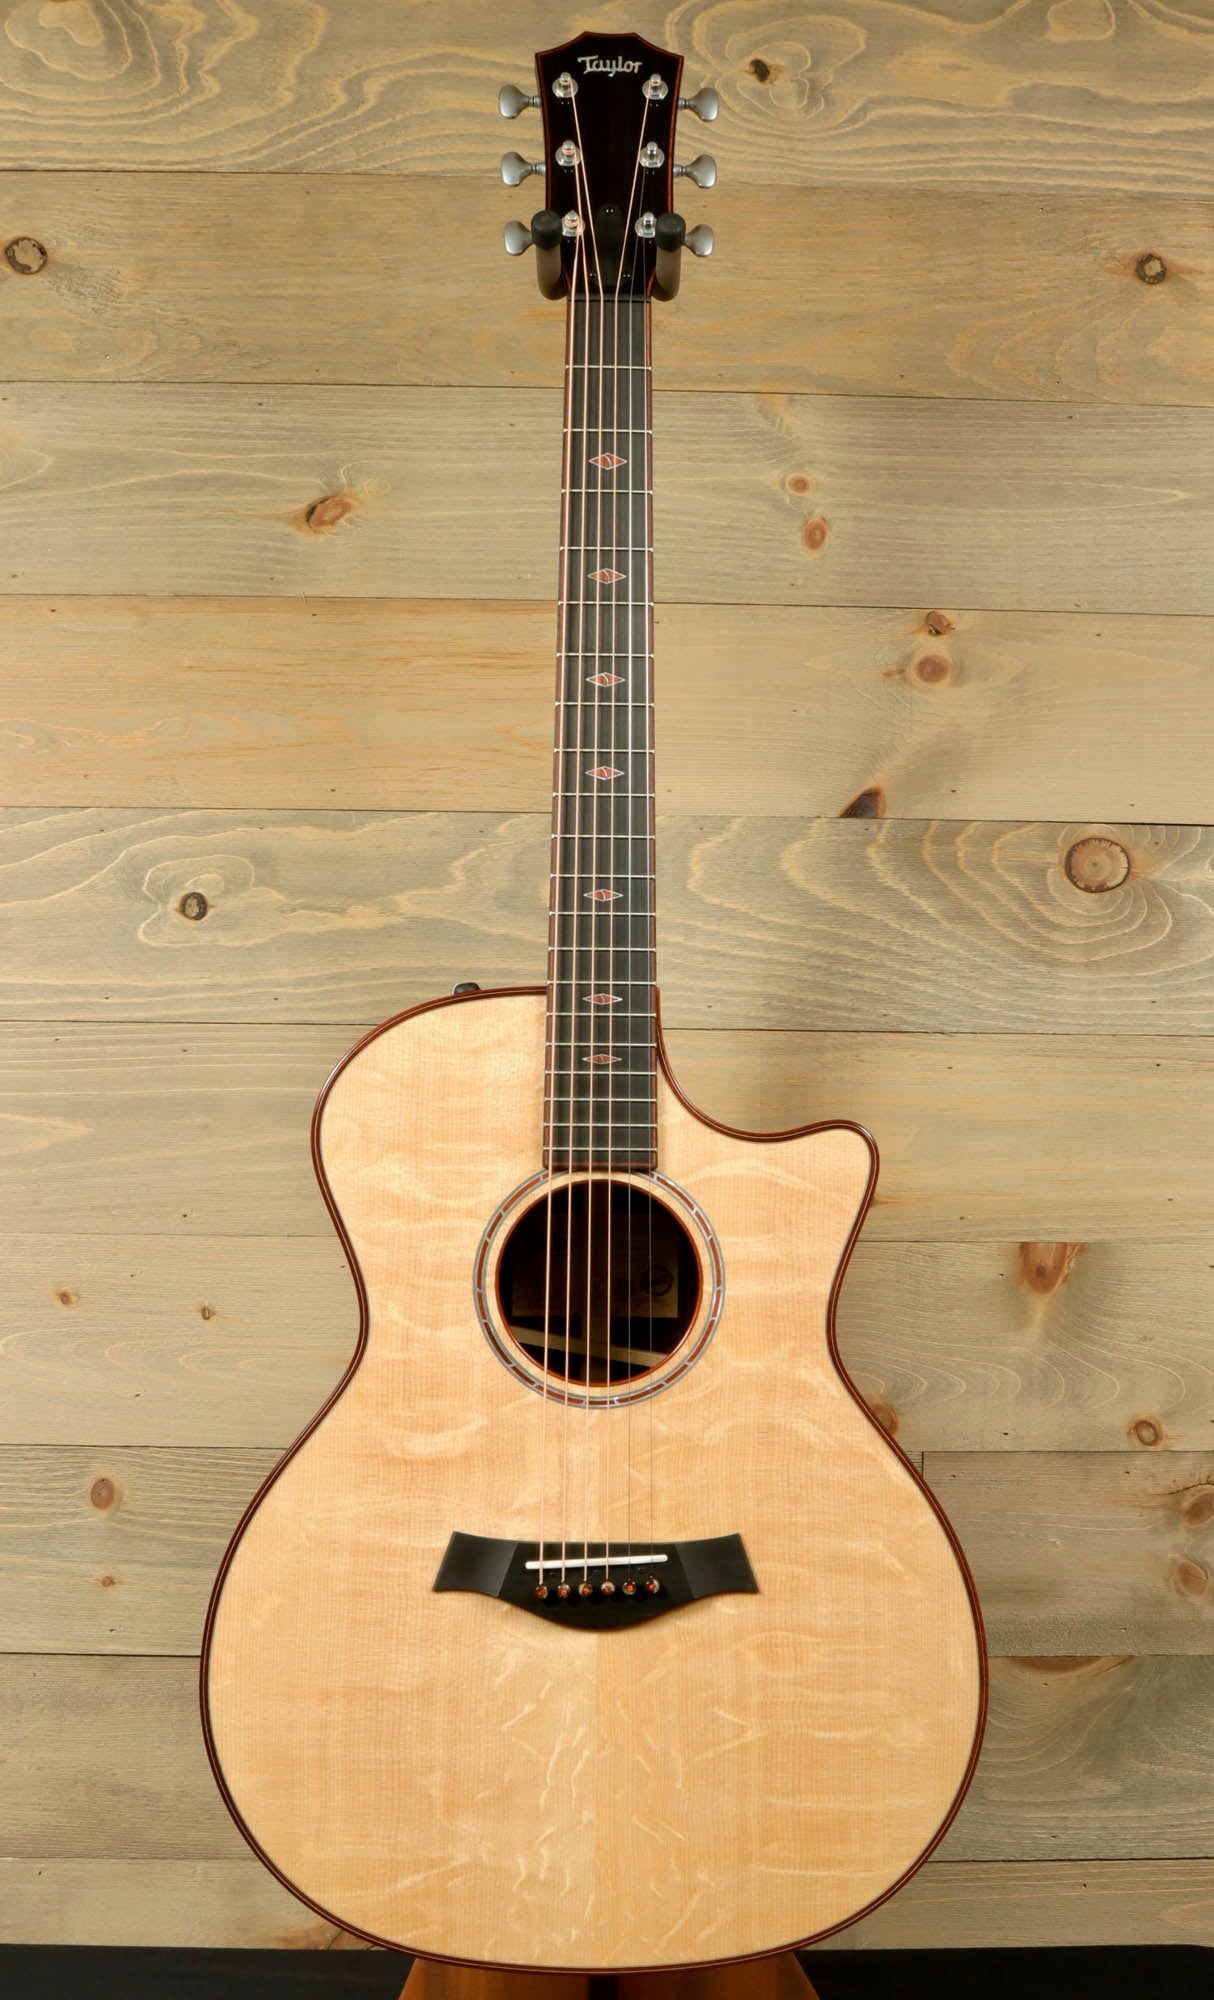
x,y
607,460
604,771
604,680
606,575
604,895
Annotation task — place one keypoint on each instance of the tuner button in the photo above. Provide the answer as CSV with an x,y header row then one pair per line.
x,y
705,104
700,240
511,100
517,237
515,168
702,170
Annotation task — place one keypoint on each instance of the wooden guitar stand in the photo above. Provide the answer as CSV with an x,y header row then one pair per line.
x,y
778,1978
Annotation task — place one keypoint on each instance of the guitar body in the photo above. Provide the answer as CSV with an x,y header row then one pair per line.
x,y
439,1770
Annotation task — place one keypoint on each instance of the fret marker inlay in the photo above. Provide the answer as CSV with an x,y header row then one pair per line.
x,y
606,576
603,1000
604,680
607,461
604,771
604,895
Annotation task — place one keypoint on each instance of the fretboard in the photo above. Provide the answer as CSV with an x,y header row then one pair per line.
x,y
599,1098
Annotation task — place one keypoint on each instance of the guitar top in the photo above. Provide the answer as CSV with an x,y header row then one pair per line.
x,y
594,1623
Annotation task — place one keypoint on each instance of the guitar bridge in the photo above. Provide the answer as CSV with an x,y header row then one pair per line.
x,y
596,1585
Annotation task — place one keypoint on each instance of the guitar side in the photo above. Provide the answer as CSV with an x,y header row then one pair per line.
x,y
448,1775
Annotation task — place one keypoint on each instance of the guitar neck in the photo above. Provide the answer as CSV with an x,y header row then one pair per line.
x,y
599,1096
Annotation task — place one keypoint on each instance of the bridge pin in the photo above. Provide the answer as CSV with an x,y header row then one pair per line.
x,y
607,1589
562,1590
629,1588
585,1589
652,1585
541,1590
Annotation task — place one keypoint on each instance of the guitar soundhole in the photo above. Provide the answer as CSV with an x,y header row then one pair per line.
x,y
620,1276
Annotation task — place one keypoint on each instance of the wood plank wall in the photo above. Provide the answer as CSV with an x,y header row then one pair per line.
x,y
278,437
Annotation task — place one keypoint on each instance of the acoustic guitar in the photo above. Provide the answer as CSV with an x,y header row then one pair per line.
x,y
594,1622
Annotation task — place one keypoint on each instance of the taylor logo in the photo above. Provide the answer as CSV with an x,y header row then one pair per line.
x,y
608,66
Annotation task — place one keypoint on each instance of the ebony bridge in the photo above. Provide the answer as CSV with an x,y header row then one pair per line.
x,y
592,1587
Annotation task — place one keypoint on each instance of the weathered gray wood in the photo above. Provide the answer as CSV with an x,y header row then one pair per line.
x,y
1032,1347
216,1905
1008,1905
814,499
114,1549
1044,299
1086,1552
108,1746
1106,1757
170,1340
237,1903
203,1130
871,92
428,703
231,1340
765,922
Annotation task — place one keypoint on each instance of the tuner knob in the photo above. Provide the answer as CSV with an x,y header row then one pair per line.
x,y
517,237
702,170
705,104
515,168
511,100
700,240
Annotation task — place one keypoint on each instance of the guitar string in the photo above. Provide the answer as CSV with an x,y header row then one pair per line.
x,y
625,843
582,183
650,944
629,841
558,811
579,262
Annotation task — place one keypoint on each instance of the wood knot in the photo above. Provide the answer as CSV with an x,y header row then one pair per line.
x,y
193,905
103,1493
1193,1578
1146,1431
799,482
932,670
759,69
328,513
67,1297
1097,863
938,623
1197,1506
886,1417
25,255
1151,268
106,1582
869,804
1045,1266
206,1312
813,534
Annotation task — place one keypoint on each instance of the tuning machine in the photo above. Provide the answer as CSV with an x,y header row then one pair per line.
x,y
515,169
705,104
511,100
544,231
702,170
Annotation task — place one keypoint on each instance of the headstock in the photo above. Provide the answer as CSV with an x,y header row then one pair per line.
x,y
609,106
